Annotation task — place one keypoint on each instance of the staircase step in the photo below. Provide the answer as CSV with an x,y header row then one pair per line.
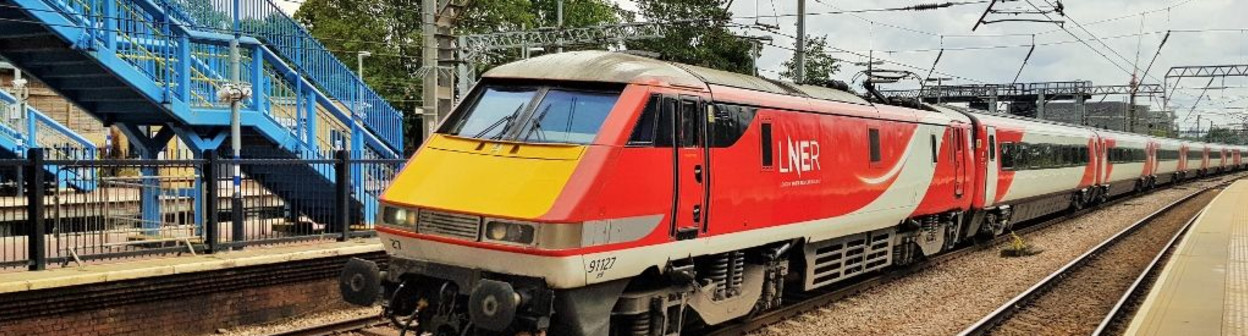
x,y
9,30
30,44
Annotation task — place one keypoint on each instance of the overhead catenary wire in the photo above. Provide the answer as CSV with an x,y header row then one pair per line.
x,y
1081,40
877,58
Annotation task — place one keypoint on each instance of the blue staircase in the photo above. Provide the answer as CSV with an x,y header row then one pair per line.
x,y
20,130
160,63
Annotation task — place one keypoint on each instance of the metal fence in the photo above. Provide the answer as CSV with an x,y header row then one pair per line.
x,y
180,204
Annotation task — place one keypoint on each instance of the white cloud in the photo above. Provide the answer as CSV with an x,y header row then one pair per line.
x,y
1071,61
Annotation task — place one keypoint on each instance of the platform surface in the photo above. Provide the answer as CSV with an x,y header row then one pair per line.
x,y
161,266
1203,289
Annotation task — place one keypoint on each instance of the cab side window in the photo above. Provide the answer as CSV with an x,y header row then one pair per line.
x,y
644,131
731,122
873,138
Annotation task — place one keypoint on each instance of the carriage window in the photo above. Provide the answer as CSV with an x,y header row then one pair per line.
x,y
1008,153
765,130
874,139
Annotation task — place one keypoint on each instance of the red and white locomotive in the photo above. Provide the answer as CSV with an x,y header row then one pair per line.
x,y
601,193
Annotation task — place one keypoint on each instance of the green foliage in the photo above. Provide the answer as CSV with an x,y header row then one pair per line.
x,y
820,65
391,30
1224,135
493,16
697,35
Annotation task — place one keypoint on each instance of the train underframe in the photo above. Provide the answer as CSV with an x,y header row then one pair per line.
x,y
691,294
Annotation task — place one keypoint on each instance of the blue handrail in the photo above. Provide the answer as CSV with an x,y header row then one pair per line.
x,y
37,116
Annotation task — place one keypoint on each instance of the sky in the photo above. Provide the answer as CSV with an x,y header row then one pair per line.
x,y
1104,41
915,38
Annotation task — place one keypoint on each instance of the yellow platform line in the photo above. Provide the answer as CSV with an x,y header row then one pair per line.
x,y
164,266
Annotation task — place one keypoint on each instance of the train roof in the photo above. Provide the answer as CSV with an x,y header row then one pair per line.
x,y
618,67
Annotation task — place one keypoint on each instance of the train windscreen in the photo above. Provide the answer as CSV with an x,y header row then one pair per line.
x,y
534,114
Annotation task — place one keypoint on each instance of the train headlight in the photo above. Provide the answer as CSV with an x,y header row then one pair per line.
x,y
510,232
548,236
400,217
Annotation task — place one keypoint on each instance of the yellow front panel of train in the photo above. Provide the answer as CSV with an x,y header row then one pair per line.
x,y
484,177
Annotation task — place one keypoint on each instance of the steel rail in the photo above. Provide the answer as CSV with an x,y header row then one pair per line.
x,y
1142,283
832,295
336,327
986,324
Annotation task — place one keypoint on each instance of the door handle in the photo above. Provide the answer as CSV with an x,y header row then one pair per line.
x,y
697,173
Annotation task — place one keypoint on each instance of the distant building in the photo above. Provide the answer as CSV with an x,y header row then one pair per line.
x,y
1112,115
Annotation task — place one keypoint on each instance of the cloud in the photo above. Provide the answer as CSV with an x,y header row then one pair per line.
x,y
919,38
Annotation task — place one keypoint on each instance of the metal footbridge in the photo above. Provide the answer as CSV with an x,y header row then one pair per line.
x,y
154,67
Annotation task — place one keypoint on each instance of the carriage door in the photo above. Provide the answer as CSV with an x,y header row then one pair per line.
x,y
959,159
992,168
691,169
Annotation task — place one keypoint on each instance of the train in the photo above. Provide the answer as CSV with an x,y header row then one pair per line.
x,y
607,193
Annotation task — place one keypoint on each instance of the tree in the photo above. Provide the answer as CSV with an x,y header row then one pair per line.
x,y
820,65
1222,135
697,34
391,30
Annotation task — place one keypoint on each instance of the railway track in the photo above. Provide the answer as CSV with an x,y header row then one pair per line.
x,y
337,327
1073,299
1118,318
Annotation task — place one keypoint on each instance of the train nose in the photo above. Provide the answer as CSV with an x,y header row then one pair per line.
x,y
492,305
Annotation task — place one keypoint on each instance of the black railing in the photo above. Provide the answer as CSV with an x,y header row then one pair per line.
x,y
140,208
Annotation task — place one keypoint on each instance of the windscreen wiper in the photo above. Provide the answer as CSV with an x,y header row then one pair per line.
x,y
537,125
504,121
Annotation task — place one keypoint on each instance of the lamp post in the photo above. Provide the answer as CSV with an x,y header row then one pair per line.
x,y
357,113
359,66
359,71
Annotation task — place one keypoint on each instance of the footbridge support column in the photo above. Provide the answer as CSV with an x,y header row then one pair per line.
x,y
201,141
148,147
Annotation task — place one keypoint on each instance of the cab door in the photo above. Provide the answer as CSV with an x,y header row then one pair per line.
x,y
691,170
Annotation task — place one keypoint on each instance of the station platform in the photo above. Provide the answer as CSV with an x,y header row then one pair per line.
x,y
1203,290
156,266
